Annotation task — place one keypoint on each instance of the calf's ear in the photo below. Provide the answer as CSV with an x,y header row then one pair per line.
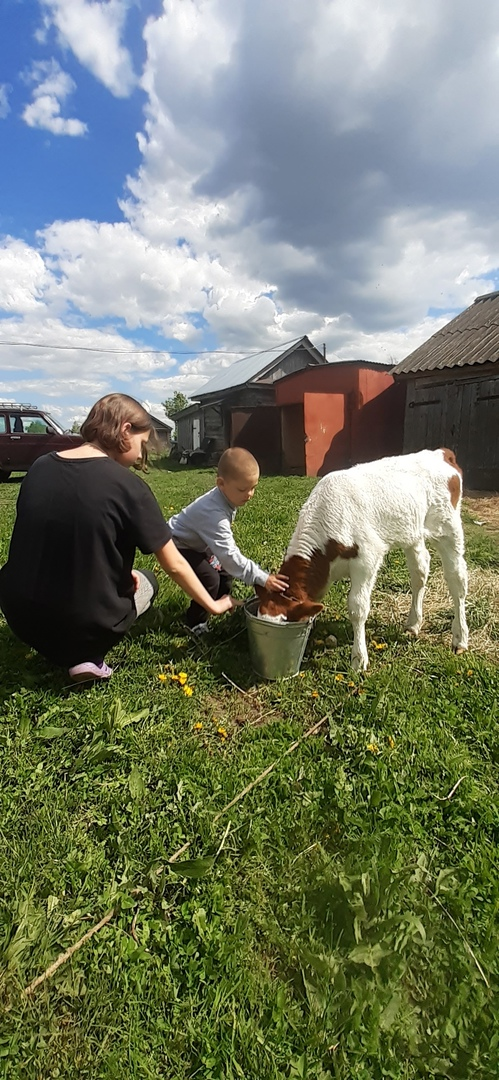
x,y
305,610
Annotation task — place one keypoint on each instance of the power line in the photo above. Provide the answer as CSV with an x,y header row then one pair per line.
x,y
153,352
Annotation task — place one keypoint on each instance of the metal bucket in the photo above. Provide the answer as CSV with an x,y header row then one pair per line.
x,y
276,649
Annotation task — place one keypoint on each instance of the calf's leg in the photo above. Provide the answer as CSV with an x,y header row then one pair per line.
x,y
418,561
363,577
451,550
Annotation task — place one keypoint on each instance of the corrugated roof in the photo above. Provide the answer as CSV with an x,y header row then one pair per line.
x,y
471,338
248,368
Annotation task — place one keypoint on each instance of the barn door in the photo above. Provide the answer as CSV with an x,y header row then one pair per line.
x,y
482,458
326,433
424,418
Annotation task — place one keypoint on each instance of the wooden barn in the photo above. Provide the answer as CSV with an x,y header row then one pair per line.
x,y
237,407
337,415
453,392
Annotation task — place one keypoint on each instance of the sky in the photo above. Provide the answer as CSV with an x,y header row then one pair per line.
x,y
187,182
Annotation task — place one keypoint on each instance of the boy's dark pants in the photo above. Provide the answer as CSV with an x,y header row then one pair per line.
x,y
216,582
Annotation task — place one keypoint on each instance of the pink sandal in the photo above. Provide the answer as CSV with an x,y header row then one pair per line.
x,y
90,670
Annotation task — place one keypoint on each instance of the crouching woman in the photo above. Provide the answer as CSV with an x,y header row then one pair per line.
x,y
68,588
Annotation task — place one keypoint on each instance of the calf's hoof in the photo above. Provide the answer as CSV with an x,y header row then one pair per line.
x,y
359,663
459,649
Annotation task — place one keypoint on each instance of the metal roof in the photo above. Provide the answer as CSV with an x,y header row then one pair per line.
x,y
471,338
250,367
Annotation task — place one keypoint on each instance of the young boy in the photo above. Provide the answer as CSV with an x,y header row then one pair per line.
x,y
202,533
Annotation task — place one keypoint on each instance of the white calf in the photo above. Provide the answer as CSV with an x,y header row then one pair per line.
x,y
354,517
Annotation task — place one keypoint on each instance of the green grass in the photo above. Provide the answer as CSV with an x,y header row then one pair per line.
x,y
340,921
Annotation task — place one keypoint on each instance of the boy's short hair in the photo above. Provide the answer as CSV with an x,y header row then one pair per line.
x,y
236,461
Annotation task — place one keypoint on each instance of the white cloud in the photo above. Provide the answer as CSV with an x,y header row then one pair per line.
x,y
4,100
93,32
23,277
52,87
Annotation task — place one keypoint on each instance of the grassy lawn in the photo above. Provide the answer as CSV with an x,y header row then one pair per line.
x,y
338,921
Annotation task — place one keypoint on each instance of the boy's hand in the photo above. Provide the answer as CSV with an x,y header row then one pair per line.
x,y
136,580
226,603
277,583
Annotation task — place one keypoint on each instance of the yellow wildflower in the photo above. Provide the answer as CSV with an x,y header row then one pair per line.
x,y
188,691
351,683
174,678
156,568
222,732
379,644
373,747
314,693
198,726
162,678
339,677
391,742
171,507
182,677
302,674
470,672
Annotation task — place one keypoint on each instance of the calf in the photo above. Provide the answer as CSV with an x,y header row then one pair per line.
x,y
353,518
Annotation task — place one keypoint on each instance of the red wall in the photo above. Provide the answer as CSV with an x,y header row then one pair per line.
x,y
352,413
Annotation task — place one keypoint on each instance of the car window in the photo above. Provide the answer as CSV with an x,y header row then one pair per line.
x,y
3,425
27,425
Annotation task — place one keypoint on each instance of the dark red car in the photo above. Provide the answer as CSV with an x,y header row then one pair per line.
x,y
25,434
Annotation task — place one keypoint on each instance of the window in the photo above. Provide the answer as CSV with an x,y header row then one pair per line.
x,y
27,425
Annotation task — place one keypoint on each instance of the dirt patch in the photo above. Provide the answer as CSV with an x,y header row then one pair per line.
x,y
483,506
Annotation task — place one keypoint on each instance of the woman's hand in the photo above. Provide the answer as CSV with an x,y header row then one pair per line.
x,y
136,580
226,603
277,583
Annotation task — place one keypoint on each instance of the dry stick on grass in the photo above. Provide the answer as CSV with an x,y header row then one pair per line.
x,y
249,787
444,798
63,957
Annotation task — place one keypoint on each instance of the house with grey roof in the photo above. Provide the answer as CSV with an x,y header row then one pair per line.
x,y
452,392
237,406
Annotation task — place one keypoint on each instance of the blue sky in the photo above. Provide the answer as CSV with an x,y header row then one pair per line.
x,y
227,175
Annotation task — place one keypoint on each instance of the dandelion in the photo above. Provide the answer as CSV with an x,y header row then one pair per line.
x,y
182,677
174,678
222,732
339,677
373,748
470,672
198,726
302,674
351,683
379,644
171,507
157,568
162,678
314,693
188,691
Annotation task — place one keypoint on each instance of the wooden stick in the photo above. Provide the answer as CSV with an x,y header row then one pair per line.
x,y
234,684
269,769
443,798
61,959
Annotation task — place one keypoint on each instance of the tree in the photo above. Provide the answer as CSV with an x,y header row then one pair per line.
x,y
175,403
75,427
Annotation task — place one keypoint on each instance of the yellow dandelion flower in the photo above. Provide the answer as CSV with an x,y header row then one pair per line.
x,y
302,674
182,677
222,732
171,507
339,677
174,678
373,747
156,568
391,742
351,683
379,644
162,678
470,672
188,691
314,693
198,726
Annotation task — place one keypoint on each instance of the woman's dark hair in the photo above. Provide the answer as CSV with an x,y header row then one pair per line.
x,y
106,418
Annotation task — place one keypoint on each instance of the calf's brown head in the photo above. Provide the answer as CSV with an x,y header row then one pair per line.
x,y
296,603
